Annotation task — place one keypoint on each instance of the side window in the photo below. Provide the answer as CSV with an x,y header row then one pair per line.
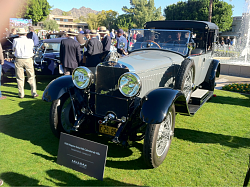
x,y
210,40
199,40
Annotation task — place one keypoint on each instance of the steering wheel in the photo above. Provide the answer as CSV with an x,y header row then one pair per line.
x,y
152,42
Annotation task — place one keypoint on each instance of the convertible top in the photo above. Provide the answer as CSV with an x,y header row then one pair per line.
x,y
181,25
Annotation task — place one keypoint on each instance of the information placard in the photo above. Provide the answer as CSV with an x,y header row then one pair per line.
x,y
82,155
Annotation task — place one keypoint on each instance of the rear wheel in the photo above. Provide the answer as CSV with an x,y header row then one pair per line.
x,y
61,115
157,140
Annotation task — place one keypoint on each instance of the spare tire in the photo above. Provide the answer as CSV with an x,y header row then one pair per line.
x,y
185,78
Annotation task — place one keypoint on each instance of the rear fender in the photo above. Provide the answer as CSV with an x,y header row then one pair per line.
x,y
57,88
156,104
212,73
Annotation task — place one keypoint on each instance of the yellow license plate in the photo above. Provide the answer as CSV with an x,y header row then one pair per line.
x,y
107,130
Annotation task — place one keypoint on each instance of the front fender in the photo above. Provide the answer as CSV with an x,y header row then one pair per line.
x,y
56,88
156,104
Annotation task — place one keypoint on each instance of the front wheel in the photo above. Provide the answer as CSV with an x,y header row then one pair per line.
x,y
62,115
157,140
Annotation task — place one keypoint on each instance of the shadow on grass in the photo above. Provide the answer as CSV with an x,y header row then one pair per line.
x,y
41,80
68,179
211,138
232,100
30,123
59,178
16,179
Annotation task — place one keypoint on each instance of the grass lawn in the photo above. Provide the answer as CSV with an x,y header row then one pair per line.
x,y
210,149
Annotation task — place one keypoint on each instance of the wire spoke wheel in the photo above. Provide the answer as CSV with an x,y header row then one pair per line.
x,y
164,135
158,139
188,84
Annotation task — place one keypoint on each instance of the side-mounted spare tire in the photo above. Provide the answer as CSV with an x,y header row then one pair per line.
x,y
185,78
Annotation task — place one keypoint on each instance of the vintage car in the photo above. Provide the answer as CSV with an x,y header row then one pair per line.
x,y
169,71
46,58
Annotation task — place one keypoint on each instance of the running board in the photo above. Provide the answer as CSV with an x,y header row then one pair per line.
x,y
198,98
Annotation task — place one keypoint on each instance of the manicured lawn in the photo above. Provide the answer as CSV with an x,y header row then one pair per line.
x,y
210,149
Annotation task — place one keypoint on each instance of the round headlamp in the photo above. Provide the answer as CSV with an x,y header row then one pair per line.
x,y
82,77
129,84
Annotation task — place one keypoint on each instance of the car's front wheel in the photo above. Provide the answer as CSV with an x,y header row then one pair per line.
x,y
157,140
62,115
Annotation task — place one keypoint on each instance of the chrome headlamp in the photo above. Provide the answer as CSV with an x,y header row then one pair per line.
x,y
129,84
82,77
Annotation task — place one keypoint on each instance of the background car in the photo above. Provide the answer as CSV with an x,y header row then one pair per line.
x,y
47,56
138,96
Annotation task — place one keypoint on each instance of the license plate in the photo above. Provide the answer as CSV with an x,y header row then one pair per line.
x,y
107,130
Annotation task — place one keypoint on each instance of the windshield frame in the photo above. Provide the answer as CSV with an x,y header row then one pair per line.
x,y
184,45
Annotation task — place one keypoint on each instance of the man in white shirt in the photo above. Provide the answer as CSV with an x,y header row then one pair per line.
x,y
23,48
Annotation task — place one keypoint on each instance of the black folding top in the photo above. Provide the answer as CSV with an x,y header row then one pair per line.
x,y
181,25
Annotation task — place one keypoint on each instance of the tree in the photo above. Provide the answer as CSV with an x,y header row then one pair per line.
x,y
199,10
107,18
125,22
142,11
82,18
64,13
37,10
92,21
50,25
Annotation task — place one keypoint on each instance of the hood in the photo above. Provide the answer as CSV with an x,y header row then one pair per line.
x,y
142,61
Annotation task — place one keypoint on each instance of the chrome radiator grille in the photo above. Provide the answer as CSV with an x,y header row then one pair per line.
x,y
108,97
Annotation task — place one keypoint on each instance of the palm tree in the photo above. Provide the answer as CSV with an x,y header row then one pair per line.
x,y
210,10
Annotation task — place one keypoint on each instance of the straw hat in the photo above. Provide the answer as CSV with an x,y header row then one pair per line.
x,y
103,29
71,32
21,31
93,32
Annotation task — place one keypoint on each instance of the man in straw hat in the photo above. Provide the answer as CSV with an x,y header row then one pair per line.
x,y
70,55
94,51
23,48
106,40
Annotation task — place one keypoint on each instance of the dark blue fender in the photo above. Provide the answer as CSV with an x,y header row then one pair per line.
x,y
156,104
212,73
57,88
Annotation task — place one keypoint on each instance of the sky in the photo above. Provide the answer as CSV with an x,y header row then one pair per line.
x,y
116,5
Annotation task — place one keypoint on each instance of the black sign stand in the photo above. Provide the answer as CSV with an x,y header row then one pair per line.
x,y
82,155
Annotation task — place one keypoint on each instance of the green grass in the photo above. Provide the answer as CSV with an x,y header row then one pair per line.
x,y
210,149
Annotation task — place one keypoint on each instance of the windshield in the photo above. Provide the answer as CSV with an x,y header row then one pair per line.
x,y
52,47
172,40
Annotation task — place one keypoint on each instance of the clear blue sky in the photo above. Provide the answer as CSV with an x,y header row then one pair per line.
x,y
117,5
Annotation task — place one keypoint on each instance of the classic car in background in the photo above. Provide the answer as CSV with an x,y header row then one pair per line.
x,y
169,70
46,58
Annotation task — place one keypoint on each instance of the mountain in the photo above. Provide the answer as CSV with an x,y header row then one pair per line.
x,y
76,13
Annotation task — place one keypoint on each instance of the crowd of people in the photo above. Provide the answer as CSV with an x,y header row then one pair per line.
x,y
227,41
95,45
